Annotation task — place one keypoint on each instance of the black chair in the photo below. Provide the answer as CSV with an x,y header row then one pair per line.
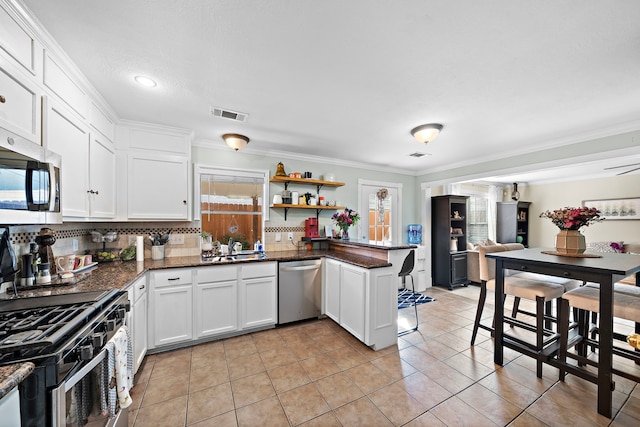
x,y
407,268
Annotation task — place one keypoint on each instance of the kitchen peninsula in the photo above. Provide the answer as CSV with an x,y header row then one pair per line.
x,y
180,301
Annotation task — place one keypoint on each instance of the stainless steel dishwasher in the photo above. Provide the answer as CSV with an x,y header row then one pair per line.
x,y
299,287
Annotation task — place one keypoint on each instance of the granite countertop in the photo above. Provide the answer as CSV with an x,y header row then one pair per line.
x,y
390,246
120,274
12,375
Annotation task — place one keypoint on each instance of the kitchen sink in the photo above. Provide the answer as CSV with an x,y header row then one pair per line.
x,y
240,256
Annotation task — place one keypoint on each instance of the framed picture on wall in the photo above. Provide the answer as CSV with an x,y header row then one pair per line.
x,y
612,209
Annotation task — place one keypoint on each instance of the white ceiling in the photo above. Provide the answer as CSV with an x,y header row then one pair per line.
x,y
349,80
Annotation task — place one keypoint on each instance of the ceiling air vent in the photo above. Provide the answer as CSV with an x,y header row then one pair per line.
x,y
228,114
416,154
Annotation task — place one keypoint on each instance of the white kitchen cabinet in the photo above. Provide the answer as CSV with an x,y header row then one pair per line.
x,y
332,289
138,330
20,96
154,177
216,300
363,301
88,163
172,307
353,294
158,187
258,295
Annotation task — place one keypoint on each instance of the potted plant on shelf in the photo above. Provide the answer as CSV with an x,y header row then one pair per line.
x,y
205,241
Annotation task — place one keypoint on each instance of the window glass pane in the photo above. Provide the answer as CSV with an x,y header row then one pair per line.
x,y
231,207
477,225
380,217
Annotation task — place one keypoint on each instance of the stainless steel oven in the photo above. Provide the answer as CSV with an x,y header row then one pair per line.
x,y
65,337
29,181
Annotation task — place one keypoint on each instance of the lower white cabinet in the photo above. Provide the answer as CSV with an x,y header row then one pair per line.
x,y
216,300
353,292
332,289
203,302
140,319
10,408
363,301
172,302
258,293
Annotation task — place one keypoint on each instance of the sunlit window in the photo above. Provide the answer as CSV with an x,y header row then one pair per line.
x,y
477,224
380,219
232,206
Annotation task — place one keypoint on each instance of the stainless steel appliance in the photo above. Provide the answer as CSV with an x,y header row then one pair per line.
x,y
299,288
29,181
64,336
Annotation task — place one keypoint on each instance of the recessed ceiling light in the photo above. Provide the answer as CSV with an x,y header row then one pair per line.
x,y
146,81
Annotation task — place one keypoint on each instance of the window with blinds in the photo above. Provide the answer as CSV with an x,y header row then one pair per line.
x,y
477,219
232,206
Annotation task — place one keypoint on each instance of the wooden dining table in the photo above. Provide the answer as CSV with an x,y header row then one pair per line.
x,y
606,269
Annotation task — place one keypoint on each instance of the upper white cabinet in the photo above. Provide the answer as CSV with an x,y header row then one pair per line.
x,y
88,163
61,83
154,170
19,103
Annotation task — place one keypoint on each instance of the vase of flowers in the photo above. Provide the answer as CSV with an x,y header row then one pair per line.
x,y
344,220
569,241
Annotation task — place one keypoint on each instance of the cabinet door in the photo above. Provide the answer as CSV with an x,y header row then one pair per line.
x,y
332,289
172,315
102,169
20,110
68,136
459,268
353,300
157,187
258,302
140,313
216,308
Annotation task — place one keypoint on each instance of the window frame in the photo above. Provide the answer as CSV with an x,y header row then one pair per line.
x,y
200,169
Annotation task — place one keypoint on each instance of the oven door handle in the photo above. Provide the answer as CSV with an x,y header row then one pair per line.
x,y
75,378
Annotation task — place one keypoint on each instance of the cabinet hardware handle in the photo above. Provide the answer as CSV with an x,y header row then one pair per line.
x,y
141,287
2,99
10,140
184,202
90,191
97,192
173,278
566,274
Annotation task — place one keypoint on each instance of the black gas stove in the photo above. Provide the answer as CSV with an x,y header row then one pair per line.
x,y
60,334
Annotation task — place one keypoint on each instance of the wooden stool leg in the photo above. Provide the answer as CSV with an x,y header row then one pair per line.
x,y
563,327
481,300
540,322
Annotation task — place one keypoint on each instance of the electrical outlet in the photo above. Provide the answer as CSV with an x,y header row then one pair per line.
x,y
176,239
75,244
278,237
290,236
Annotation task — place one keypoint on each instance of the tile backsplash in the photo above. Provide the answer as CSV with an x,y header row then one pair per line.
x,y
68,235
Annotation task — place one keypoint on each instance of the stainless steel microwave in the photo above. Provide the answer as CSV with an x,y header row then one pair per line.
x,y
29,182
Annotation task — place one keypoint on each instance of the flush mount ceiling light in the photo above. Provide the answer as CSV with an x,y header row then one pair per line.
x,y
426,133
146,81
235,140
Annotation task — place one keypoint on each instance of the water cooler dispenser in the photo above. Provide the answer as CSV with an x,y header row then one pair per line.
x,y
414,234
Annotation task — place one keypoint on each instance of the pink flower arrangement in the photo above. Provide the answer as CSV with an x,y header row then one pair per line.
x,y
616,247
573,218
346,218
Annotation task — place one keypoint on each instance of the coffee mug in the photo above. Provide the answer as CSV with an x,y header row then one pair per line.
x,y
277,199
66,263
79,262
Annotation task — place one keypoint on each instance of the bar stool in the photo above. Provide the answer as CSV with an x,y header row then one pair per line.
x,y
626,305
407,268
540,291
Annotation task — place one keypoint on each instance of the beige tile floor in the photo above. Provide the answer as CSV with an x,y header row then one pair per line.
x,y
316,374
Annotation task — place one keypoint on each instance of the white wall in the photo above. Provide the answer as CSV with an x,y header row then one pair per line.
x,y
558,195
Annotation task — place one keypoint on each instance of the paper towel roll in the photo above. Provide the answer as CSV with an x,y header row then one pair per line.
x,y
139,248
